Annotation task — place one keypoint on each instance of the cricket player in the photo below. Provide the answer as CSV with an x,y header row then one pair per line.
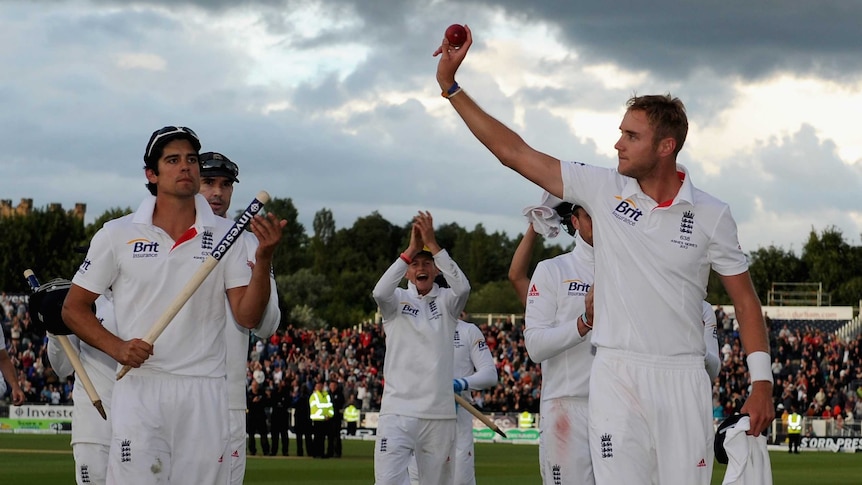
x,y
557,335
218,176
417,413
474,370
169,412
656,238
91,434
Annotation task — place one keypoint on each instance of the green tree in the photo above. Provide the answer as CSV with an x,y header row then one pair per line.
x,y
494,297
320,246
291,253
773,265
830,261
44,241
108,215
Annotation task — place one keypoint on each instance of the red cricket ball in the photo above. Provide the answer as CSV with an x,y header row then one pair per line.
x,y
456,34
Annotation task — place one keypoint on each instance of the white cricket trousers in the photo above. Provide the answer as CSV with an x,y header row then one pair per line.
x,y
169,429
564,449
650,419
431,440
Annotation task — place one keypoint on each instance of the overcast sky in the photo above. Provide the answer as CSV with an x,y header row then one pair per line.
x,y
334,103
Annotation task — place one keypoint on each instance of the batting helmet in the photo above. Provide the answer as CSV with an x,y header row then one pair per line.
x,y
46,306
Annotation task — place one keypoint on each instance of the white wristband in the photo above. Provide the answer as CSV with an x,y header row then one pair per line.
x,y
759,366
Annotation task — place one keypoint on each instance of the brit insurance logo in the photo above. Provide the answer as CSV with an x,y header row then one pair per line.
x,y
577,287
144,248
407,309
627,211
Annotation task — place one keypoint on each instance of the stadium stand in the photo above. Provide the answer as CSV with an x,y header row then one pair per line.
x,y
814,369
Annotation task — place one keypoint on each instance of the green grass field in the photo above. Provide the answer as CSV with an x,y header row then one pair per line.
x,y
47,460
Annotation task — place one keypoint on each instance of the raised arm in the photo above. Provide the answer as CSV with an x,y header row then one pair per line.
x,y
504,143
249,302
520,264
384,291
456,278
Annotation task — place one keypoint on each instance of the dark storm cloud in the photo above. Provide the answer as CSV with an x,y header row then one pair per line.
x,y
671,38
88,81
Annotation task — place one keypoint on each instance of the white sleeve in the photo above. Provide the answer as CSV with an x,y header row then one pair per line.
x,y
57,356
384,291
712,359
271,317
543,339
486,371
456,279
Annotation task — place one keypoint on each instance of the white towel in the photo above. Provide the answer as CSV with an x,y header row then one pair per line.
x,y
543,217
748,460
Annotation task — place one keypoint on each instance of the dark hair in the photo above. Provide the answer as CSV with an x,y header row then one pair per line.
x,y
156,147
666,115
566,210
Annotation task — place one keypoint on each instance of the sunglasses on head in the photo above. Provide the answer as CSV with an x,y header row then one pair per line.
x,y
168,131
220,164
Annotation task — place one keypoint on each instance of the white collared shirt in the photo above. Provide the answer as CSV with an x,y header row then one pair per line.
x,y
652,263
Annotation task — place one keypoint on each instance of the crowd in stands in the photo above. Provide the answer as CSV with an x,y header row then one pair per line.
x,y
28,351
815,372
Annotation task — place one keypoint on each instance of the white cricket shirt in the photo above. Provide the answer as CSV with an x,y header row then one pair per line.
x,y
473,360
652,263
555,300
418,368
146,269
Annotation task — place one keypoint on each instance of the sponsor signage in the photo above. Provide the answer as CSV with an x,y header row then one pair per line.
x,y
23,425
40,418
803,312
41,412
831,443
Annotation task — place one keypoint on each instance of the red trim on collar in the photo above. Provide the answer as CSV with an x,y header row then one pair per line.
x,y
187,236
667,203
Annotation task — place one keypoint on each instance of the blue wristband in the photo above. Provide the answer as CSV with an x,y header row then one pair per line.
x,y
452,91
459,385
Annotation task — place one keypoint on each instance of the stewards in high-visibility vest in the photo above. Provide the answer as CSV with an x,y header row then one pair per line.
x,y
794,431
351,417
321,412
525,420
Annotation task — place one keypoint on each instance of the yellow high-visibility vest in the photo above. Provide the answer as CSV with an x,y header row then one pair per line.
x,y
525,420
321,406
351,414
794,424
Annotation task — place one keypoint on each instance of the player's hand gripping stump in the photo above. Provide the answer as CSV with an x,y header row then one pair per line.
x,y
201,274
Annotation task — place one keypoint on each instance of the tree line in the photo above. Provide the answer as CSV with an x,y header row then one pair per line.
x,y
325,278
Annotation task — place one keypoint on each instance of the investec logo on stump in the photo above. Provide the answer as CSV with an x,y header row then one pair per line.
x,y
627,211
144,248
